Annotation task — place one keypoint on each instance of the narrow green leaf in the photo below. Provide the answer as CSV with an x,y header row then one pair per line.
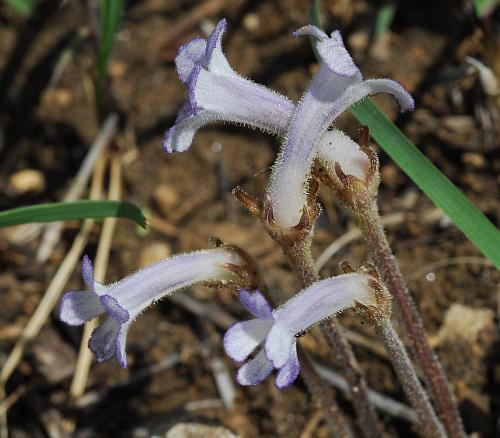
x,y
484,7
314,17
111,11
384,19
438,188
64,211
23,7
110,15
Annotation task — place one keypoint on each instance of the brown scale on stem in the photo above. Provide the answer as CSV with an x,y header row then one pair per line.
x,y
247,273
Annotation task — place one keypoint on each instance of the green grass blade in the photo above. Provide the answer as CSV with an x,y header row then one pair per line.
x,y
111,11
314,17
384,19
23,7
63,211
438,188
484,7
110,15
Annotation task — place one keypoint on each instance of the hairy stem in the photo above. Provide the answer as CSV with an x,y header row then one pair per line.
x,y
429,425
385,261
300,256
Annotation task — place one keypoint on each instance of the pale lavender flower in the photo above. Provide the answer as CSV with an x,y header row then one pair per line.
x,y
217,92
124,300
336,86
275,332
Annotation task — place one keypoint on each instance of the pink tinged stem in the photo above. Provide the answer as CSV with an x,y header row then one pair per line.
x,y
387,265
429,425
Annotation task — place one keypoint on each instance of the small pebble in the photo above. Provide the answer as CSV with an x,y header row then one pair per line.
x,y
251,22
59,97
117,69
166,197
26,181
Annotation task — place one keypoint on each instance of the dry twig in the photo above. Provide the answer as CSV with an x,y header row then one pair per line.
x,y
355,233
53,231
84,360
52,293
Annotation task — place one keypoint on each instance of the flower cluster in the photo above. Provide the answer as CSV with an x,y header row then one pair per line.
x,y
277,330
124,300
217,92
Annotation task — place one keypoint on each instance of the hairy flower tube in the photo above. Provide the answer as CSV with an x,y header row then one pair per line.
x,y
124,300
336,86
217,92
274,333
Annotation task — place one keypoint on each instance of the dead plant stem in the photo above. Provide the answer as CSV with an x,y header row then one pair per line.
x,y
84,360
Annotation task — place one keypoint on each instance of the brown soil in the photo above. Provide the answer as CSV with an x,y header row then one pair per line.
x,y
49,130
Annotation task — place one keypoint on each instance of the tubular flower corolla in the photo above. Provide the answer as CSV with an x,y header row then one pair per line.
x,y
124,300
274,333
217,92
337,85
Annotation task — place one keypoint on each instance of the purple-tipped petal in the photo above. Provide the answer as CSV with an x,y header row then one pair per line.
x,y
103,340
376,86
114,309
256,304
121,344
255,370
180,136
78,307
215,60
334,54
332,51
289,372
188,56
192,81
312,30
88,272
243,337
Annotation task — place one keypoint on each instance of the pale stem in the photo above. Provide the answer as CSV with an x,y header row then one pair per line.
x,y
429,425
387,265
